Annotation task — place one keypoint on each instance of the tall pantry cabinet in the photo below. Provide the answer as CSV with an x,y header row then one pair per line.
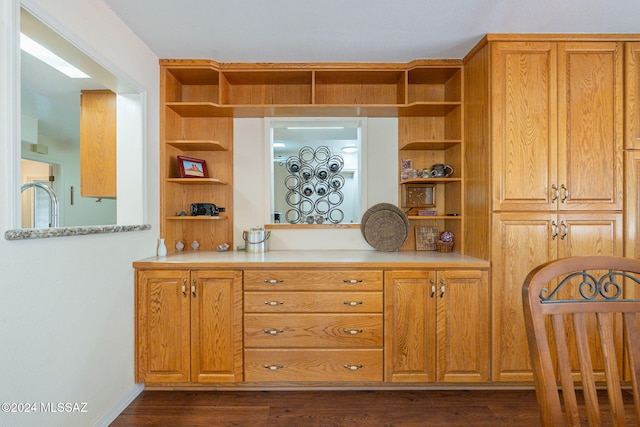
x,y
551,144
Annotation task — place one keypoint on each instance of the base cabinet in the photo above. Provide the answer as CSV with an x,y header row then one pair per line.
x,y
525,240
437,326
189,326
315,325
199,326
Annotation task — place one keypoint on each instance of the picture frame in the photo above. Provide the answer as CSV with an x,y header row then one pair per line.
x,y
426,238
418,195
192,168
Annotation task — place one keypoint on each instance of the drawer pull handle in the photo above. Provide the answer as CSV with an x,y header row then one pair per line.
x,y
273,281
353,367
273,367
352,303
352,280
352,331
273,331
273,303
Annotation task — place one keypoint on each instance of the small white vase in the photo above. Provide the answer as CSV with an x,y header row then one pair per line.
x,y
162,248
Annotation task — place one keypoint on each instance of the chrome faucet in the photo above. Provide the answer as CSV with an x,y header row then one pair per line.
x,y
53,200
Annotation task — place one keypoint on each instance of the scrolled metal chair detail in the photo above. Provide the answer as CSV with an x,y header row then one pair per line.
x,y
607,287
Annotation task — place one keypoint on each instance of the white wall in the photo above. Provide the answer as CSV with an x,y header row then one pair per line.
x,y
66,311
251,185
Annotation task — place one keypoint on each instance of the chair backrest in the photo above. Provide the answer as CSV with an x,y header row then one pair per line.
x,y
583,311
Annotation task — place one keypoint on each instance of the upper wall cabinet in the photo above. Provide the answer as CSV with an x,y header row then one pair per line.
x,y
98,143
632,95
557,124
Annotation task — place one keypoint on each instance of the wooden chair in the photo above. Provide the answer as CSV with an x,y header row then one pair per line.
x,y
586,307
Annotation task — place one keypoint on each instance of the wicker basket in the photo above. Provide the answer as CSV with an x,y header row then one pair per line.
x,y
444,246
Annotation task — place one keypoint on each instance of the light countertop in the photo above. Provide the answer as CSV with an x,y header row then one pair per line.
x,y
310,258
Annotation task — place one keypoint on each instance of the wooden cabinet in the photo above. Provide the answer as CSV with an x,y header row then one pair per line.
x,y
430,132
189,326
557,124
632,95
553,145
313,325
193,126
437,326
532,239
98,143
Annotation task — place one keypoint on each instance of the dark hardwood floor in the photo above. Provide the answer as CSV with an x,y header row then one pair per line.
x,y
332,408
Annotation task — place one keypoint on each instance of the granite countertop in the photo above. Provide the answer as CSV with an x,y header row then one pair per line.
x,y
42,233
311,258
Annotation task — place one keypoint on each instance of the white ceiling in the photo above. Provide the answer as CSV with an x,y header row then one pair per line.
x,y
355,30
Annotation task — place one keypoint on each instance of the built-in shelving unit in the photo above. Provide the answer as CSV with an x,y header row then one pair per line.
x,y
430,132
200,98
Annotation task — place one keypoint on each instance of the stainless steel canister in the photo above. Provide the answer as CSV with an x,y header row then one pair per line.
x,y
256,240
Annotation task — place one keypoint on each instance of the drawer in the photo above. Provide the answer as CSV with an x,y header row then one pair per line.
x,y
313,302
324,365
302,280
313,330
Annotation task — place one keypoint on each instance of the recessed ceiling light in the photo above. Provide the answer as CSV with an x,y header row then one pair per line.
x,y
350,149
278,145
45,55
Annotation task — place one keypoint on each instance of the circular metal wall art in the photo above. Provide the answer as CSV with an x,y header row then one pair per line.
x,y
314,186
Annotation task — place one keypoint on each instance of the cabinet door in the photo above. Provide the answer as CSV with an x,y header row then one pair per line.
x,y
524,125
463,326
163,326
521,242
216,326
632,200
410,325
98,143
588,234
590,137
591,234
632,95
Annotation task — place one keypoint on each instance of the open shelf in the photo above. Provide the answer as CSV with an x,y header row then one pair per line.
x,y
431,144
196,218
197,181
360,87
260,87
200,109
429,180
196,145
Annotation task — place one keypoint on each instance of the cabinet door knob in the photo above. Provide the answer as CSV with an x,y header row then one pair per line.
x,y
554,230
274,303
565,193
352,303
555,193
352,281
273,367
272,281
273,331
353,367
352,331
564,227
184,287
193,288
442,283
433,288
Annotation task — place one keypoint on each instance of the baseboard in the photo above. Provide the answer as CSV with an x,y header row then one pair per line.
x,y
113,412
